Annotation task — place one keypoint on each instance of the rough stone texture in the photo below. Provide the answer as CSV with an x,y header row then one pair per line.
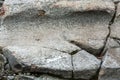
x,y
45,60
86,64
118,10
110,69
44,36
116,0
115,28
30,77
52,32
55,7
2,62
112,43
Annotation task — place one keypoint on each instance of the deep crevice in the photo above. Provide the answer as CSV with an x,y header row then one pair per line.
x,y
104,49
96,76
86,48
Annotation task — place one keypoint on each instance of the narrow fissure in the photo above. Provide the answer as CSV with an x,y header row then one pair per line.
x,y
74,52
104,49
85,47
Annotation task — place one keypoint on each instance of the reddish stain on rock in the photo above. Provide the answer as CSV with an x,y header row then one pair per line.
x,y
2,11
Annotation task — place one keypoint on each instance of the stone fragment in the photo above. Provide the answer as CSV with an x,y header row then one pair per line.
x,y
85,65
56,33
115,29
39,60
55,7
25,27
112,43
110,68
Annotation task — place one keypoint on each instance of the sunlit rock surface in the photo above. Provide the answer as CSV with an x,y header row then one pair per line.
x,y
57,37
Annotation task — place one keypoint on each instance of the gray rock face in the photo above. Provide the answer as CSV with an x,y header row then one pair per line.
x,y
58,37
110,69
42,60
26,77
55,7
115,29
116,0
85,63
51,61
112,43
56,33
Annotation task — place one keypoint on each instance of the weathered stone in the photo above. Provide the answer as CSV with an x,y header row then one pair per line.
x,y
42,77
72,27
112,43
56,33
116,1
110,69
55,7
41,60
115,29
60,8
40,35
85,65
2,63
118,10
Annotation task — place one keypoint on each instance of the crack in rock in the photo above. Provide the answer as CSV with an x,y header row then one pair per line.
x,y
84,63
110,62
27,29
103,51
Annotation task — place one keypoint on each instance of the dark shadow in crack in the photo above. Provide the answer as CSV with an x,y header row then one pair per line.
x,y
90,50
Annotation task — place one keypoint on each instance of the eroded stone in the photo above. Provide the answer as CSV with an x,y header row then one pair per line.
x,y
115,29
38,34
56,7
85,65
41,60
110,69
57,33
112,43
42,77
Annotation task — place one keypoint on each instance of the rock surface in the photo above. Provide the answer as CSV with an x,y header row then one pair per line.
x,y
55,7
25,77
85,66
115,27
60,38
52,32
41,60
110,69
